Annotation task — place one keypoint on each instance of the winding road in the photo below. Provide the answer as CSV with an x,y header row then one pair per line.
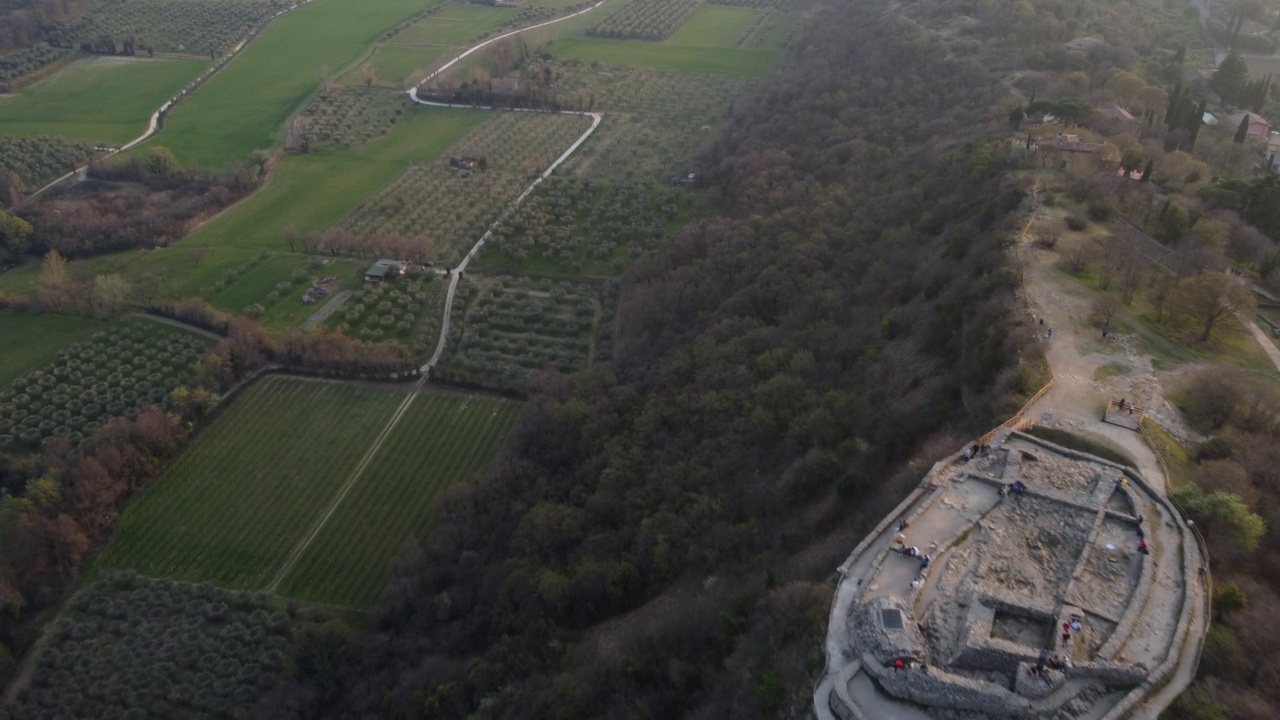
x,y
456,273
153,125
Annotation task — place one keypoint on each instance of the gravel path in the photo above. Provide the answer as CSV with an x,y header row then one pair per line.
x,y
324,313
1268,346
456,273
1088,371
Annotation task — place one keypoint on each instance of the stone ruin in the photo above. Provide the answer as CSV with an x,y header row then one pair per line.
x,y
979,632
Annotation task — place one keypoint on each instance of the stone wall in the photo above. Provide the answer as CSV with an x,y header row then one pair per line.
x,y
939,688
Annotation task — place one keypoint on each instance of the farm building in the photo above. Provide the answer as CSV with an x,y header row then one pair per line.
x,y
385,270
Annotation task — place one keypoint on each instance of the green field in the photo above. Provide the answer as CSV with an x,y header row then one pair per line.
x,y
244,493
714,26
34,340
442,439
394,65
438,37
245,105
307,192
734,62
456,25
310,192
107,100
236,504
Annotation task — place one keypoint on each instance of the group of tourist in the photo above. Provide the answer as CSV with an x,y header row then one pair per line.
x,y
1143,547
1017,487
1074,624
1046,663
911,551
976,450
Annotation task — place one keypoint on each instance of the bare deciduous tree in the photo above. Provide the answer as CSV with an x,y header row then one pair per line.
x,y
1211,298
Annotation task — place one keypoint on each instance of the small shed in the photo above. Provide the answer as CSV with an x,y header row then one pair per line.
x,y
385,270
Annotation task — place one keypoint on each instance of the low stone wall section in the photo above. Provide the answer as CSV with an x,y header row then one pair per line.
x,y
940,688
840,700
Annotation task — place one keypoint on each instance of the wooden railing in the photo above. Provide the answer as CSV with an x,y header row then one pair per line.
x,y
1018,420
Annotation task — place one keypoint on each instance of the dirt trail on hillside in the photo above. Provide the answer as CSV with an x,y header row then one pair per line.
x,y
1089,371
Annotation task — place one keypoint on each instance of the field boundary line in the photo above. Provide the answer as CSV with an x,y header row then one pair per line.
x,y
355,475
157,117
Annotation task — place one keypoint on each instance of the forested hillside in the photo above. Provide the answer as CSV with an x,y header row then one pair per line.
x,y
659,538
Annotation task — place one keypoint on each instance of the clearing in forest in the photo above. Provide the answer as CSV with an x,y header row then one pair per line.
x,y
240,501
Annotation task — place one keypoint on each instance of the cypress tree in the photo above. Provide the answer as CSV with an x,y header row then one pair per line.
x,y
1194,129
1243,131
1174,97
1230,79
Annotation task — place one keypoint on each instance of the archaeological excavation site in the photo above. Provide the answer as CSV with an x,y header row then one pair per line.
x,y
1020,580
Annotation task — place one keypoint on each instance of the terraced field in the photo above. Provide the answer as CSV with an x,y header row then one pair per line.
x,y
442,439
266,493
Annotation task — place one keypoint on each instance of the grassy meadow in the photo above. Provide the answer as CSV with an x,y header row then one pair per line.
x,y
244,107
310,192
710,42
436,38
715,26
307,192
105,99
33,341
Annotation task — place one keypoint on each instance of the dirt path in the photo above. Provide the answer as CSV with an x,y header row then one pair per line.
x,y
1265,341
179,324
153,125
1087,370
365,461
319,316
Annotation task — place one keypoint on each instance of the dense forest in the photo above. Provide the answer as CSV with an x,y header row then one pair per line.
x,y
658,538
